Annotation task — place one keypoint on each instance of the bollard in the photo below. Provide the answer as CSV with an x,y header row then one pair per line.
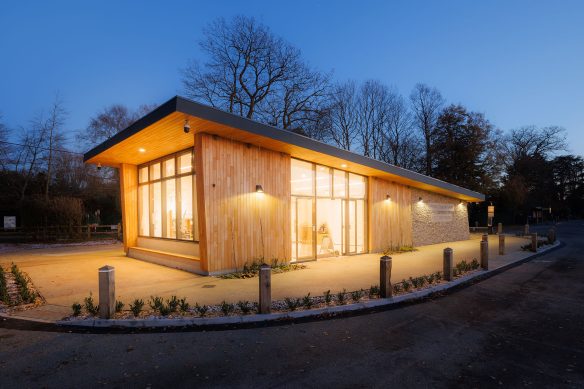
x,y
265,288
485,238
385,289
107,292
551,236
500,228
526,229
485,255
448,260
534,242
501,244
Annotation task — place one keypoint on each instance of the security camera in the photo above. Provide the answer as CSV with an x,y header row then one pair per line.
x,y
187,127
99,166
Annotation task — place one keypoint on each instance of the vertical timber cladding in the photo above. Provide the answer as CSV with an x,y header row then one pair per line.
x,y
390,221
129,196
438,218
238,224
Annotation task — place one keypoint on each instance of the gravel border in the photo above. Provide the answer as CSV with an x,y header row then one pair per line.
x,y
324,312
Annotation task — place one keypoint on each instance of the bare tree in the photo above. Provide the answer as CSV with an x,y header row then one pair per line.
x,y
108,122
529,141
372,117
5,147
342,114
53,126
426,103
254,73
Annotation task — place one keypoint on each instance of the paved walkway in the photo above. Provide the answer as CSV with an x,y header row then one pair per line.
x,y
67,274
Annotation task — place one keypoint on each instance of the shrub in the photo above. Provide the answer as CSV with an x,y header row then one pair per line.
x,y
292,303
414,282
406,286
25,294
397,288
156,303
341,297
201,309
227,308
245,307
4,297
90,306
76,308
356,295
438,275
373,291
172,304
430,279
327,297
119,306
307,301
475,264
136,307
183,305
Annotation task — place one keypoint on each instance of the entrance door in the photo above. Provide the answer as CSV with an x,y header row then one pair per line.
x,y
304,228
354,226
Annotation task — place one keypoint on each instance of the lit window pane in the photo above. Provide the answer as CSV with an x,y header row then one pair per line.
x,y
156,214
340,183
169,167
301,180
323,181
356,186
143,200
186,208
143,175
185,163
155,171
170,217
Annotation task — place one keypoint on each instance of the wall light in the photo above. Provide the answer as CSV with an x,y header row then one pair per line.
x,y
387,197
420,199
99,168
259,189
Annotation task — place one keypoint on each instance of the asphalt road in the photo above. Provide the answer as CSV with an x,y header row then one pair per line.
x,y
521,328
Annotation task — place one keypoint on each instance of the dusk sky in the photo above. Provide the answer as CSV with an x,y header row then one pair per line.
x,y
518,62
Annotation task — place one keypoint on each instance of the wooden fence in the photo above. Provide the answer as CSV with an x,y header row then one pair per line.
x,y
60,233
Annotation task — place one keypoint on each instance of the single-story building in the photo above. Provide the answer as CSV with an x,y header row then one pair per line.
x,y
206,191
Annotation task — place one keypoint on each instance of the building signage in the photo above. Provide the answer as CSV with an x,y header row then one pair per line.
x,y
9,222
441,213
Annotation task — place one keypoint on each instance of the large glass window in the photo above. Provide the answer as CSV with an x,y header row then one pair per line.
x,y
328,211
167,198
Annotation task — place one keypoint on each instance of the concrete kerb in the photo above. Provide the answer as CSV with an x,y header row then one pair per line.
x,y
313,314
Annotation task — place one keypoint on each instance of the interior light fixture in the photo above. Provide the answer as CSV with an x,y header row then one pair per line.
x,y
343,165
259,189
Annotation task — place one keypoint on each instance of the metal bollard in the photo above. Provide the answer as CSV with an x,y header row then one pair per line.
x,y
485,238
385,289
265,288
534,242
485,255
448,261
500,228
107,292
526,229
551,235
501,244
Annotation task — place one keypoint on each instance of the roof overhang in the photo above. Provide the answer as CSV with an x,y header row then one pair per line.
x,y
161,133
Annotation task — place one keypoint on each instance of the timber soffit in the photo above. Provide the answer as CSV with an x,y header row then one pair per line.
x,y
183,105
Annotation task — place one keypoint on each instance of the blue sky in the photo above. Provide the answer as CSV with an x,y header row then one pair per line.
x,y
519,62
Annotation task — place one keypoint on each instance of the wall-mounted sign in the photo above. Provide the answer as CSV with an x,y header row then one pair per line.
x,y
441,213
9,222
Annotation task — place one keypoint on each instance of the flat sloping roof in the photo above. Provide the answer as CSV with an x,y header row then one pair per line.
x,y
168,120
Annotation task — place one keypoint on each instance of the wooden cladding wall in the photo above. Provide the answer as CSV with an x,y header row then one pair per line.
x,y
129,200
390,222
238,225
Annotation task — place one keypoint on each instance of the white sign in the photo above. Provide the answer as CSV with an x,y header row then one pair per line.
x,y
441,213
9,222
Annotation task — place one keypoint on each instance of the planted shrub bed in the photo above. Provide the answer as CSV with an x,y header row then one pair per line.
x,y
16,288
253,269
173,307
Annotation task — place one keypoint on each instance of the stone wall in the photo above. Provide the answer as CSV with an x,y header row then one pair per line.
x,y
437,218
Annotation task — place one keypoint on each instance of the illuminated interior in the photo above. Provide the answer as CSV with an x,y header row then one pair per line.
x,y
328,211
167,198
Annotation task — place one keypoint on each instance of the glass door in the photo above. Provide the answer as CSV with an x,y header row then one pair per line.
x,y
354,226
304,228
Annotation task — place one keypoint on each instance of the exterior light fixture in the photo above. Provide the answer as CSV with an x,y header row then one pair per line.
x,y
420,199
259,189
99,166
387,197
187,127
142,150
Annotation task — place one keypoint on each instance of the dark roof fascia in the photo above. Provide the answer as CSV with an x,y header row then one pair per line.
x,y
205,112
